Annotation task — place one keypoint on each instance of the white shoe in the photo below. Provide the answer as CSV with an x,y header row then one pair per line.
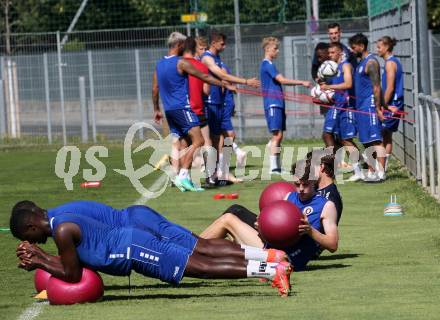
x,y
356,177
276,172
372,176
241,159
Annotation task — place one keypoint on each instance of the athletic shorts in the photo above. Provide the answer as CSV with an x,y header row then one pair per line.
x,y
331,121
144,218
392,125
227,115
243,214
347,125
275,118
157,258
215,118
368,125
203,120
181,121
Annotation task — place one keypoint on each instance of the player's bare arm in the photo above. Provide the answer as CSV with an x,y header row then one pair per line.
x,y
68,267
373,72
391,68
222,74
292,82
329,239
348,80
185,66
155,96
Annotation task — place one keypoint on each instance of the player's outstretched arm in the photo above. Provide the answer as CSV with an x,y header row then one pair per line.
x,y
329,239
223,75
292,82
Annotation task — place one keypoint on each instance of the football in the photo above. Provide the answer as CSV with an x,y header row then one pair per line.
x,y
325,96
327,70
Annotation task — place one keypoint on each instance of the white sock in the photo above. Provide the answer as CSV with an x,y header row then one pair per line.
x,y
183,173
236,148
261,269
254,253
357,169
387,157
274,162
220,164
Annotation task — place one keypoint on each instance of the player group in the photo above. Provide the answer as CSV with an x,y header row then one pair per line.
x,y
196,88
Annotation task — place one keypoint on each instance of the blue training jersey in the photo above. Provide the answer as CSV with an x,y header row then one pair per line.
x,y
341,97
216,95
363,85
271,88
102,247
306,248
229,96
173,86
397,96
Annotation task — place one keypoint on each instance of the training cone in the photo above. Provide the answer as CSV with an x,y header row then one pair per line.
x,y
393,209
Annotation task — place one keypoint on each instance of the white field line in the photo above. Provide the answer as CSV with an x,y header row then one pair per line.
x,y
33,310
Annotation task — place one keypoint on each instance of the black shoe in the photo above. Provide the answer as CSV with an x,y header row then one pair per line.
x,y
223,183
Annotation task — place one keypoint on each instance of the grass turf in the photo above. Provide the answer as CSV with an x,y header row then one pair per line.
x,y
385,268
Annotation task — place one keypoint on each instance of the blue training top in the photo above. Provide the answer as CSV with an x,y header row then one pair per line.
x,y
229,96
271,88
397,96
216,95
173,86
306,248
102,247
341,97
363,85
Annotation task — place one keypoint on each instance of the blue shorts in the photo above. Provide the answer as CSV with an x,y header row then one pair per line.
x,y
156,258
347,125
331,122
228,112
215,118
275,118
369,126
144,218
181,121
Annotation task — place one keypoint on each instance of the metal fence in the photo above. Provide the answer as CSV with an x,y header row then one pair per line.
x,y
429,133
434,54
42,87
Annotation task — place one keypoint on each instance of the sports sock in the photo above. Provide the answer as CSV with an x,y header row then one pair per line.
x,y
183,173
254,253
261,269
274,162
236,148
220,165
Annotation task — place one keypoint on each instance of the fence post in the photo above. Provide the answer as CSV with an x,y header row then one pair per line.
x,y
2,111
47,95
421,132
437,142
92,95
238,61
60,76
83,105
431,60
429,111
138,91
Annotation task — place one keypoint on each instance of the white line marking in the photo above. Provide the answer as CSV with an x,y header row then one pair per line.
x,y
33,310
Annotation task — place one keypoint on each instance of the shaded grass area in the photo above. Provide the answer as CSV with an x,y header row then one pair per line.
x,y
385,268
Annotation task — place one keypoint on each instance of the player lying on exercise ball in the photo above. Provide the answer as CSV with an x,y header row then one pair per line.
x,y
318,229
123,243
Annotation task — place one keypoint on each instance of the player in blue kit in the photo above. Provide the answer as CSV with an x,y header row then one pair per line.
x,y
341,123
392,88
217,117
170,81
318,230
368,104
273,99
84,241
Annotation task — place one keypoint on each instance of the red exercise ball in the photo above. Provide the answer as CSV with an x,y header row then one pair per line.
x,y
275,191
278,223
89,289
40,279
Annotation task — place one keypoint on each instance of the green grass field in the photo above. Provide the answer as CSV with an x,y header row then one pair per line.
x,y
385,268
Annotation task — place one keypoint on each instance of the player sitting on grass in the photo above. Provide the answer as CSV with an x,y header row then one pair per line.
x,y
83,240
318,229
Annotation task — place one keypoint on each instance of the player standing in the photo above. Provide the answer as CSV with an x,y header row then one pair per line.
x,y
392,87
273,99
368,103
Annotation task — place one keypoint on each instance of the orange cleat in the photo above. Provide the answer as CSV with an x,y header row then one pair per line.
x,y
282,278
274,255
